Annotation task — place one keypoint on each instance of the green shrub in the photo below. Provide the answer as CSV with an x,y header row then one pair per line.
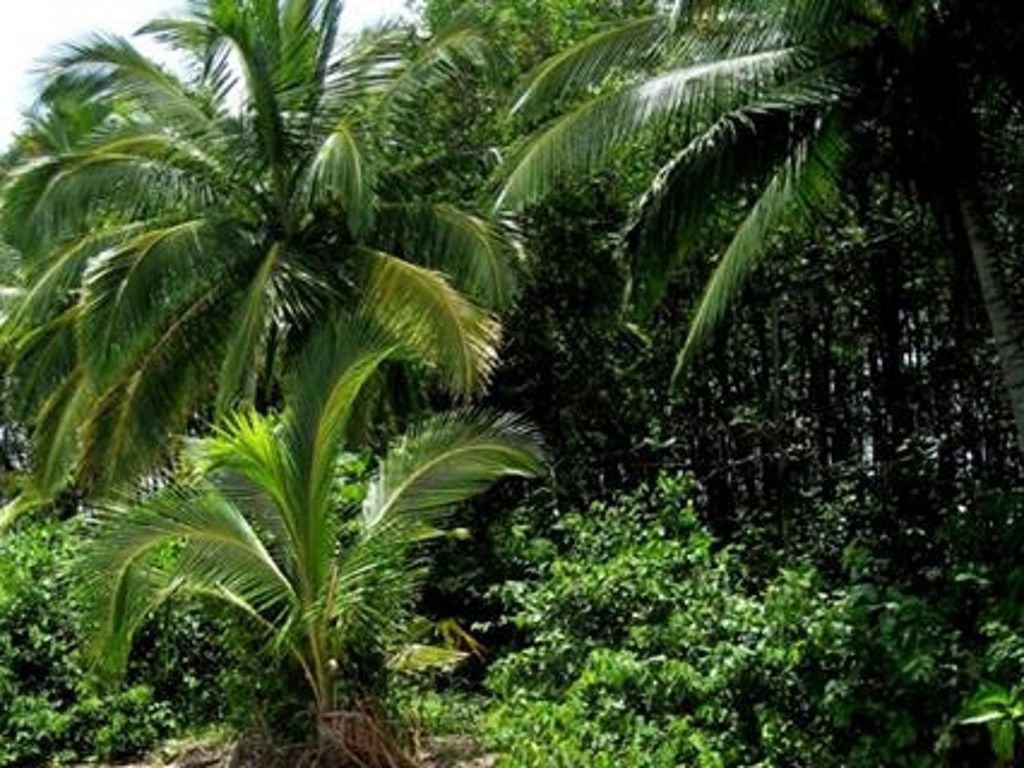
x,y
645,644
51,710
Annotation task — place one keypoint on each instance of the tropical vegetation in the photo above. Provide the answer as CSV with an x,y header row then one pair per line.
x,y
519,382
177,224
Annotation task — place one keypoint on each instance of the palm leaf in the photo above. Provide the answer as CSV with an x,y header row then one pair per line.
x,y
50,199
479,255
128,288
423,476
806,183
589,62
56,434
51,281
42,359
250,326
420,307
444,462
581,141
741,145
152,394
337,176
125,73
215,548
365,66
322,394
253,33
453,53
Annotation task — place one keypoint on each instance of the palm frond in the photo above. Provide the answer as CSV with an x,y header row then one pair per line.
x,y
309,30
805,183
292,461
247,445
480,256
450,56
41,360
426,473
245,460
152,393
53,395
206,55
337,176
128,287
741,145
213,547
249,327
588,63
51,198
444,462
433,320
254,34
329,377
54,276
56,435
365,66
125,73
580,142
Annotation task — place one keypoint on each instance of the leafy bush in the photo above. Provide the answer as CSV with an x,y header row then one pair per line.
x,y
647,645
51,711
1001,711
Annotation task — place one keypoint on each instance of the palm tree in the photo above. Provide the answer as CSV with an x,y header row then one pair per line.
x,y
182,234
261,524
773,96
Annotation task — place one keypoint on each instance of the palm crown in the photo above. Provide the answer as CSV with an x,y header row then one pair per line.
x,y
180,235
260,524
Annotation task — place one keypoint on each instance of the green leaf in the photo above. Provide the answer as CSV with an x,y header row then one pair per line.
x,y
422,658
740,146
445,461
433,320
1004,739
803,186
588,62
251,325
580,142
479,256
337,176
216,547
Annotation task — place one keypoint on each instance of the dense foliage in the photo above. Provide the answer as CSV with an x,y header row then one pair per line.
x,y
266,525
649,643
207,222
52,708
800,546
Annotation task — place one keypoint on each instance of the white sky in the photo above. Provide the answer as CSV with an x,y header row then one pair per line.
x,y
32,28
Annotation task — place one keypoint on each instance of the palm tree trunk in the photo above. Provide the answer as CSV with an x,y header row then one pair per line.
x,y
1006,329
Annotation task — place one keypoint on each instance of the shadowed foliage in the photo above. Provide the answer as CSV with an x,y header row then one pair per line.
x,y
764,99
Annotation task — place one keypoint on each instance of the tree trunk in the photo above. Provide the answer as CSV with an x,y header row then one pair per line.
x,y
1007,331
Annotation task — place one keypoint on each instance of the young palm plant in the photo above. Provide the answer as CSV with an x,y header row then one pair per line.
x,y
184,230
259,523
771,97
